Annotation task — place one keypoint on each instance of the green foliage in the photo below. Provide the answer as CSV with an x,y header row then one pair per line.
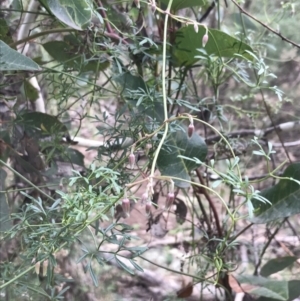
x,y
5,222
10,59
179,144
76,14
188,43
40,124
66,52
5,35
268,288
179,4
283,197
276,265
130,80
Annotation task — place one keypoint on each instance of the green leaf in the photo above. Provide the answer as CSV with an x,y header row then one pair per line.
x,y
35,288
188,41
71,155
66,52
40,124
124,266
5,221
4,150
92,274
136,266
284,197
293,291
277,264
60,51
265,287
5,34
179,4
129,81
243,20
30,92
11,59
179,144
76,14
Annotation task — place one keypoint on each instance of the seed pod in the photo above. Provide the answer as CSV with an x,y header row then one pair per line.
x,y
153,6
170,200
126,206
148,208
137,3
196,27
131,160
145,197
191,130
147,148
204,40
37,267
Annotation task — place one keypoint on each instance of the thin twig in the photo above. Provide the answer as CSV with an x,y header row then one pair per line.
x,y
266,247
40,34
240,233
265,25
104,16
110,32
207,12
286,126
211,204
277,130
203,212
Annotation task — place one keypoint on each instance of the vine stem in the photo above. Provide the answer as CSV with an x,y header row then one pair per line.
x,y
265,25
163,89
27,181
40,34
211,204
17,277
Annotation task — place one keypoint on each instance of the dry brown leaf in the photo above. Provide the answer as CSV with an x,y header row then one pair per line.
x,y
186,288
234,284
181,211
239,287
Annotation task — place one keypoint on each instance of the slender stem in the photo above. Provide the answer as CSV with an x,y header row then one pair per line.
x,y
219,15
266,247
17,277
174,271
225,140
265,25
25,11
27,181
203,211
163,89
113,36
240,233
261,90
183,75
202,186
40,34
211,204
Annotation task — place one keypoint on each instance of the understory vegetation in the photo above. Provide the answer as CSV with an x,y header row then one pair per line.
x,y
149,150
